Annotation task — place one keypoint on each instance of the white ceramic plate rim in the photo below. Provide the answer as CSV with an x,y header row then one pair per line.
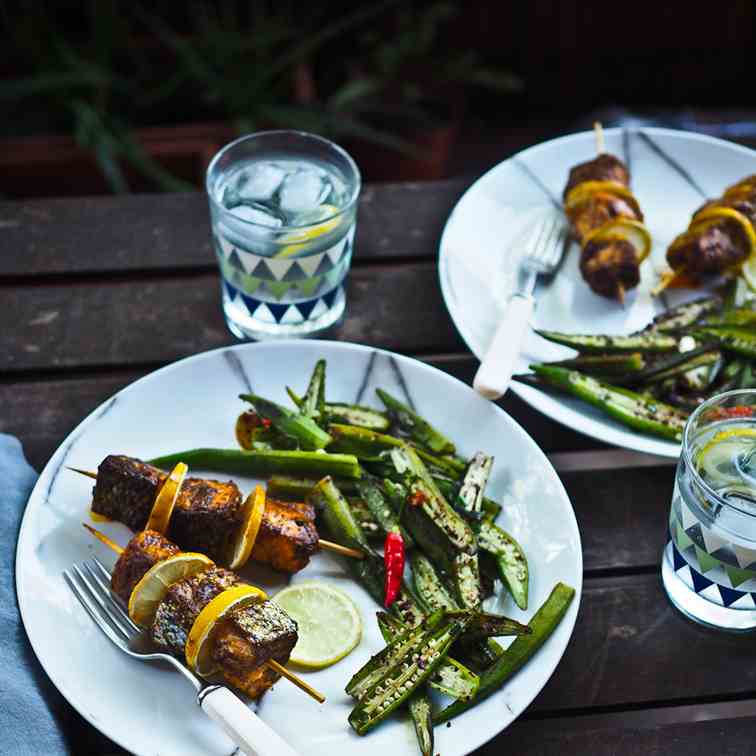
x,y
550,405
24,541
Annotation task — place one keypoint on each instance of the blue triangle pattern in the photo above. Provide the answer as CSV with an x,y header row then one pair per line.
x,y
729,596
230,290
700,582
278,310
331,296
305,308
251,302
677,559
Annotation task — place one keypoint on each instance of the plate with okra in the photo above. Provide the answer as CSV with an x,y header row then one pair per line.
x,y
651,308
416,518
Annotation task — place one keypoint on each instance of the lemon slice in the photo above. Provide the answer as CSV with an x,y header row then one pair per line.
x,y
199,643
307,234
716,460
329,624
151,589
162,509
583,191
628,230
246,534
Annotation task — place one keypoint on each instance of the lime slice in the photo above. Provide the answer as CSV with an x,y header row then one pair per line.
x,y
199,643
153,586
301,238
716,460
329,623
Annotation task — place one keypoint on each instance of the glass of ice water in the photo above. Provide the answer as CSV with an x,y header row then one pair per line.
x,y
283,206
709,562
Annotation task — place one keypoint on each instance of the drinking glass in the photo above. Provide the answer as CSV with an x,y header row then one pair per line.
x,y
283,208
709,562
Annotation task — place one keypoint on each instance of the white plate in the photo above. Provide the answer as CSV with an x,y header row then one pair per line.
x,y
151,710
672,173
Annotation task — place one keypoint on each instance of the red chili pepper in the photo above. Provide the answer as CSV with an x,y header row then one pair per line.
x,y
393,560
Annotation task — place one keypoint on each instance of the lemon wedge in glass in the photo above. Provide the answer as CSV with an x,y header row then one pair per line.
x,y
329,623
300,238
153,586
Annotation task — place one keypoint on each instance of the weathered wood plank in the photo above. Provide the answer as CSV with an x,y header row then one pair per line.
x,y
725,737
150,320
172,231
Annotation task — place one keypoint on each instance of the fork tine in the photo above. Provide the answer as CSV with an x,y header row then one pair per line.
x,y
97,618
102,568
115,605
117,623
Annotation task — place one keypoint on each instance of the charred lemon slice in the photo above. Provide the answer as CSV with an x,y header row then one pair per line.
x,y
162,509
628,230
153,586
246,534
199,643
586,189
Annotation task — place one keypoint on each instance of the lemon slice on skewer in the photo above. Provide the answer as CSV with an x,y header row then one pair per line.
x,y
632,231
300,238
199,643
153,586
165,501
246,535
329,624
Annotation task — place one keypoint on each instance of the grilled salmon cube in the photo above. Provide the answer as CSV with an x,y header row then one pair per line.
x,y
144,550
287,537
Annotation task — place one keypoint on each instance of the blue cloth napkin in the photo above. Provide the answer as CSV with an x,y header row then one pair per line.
x,y
34,717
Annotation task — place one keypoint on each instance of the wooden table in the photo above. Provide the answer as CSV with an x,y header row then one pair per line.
x,y
97,292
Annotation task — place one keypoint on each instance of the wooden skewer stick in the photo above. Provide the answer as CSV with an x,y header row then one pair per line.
x,y
322,543
298,681
272,663
598,131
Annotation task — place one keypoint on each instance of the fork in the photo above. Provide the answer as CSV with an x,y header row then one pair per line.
x,y
90,583
495,372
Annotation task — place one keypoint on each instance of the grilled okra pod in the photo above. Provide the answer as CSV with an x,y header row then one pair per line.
x,y
289,488
634,410
586,343
313,402
606,365
452,678
301,427
253,432
449,488
382,512
683,316
474,483
677,365
736,339
448,465
510,559
429,586
261,463
357,415
416,427
543,624
362,442
409,673
421,711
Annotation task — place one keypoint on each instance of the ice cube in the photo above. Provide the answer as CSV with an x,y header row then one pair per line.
x,y
303,190
260,181
255,213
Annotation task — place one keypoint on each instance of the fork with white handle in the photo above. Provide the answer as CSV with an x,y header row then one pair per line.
x,y
90,583
543,258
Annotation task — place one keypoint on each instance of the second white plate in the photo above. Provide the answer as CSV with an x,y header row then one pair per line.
x,y
672,173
